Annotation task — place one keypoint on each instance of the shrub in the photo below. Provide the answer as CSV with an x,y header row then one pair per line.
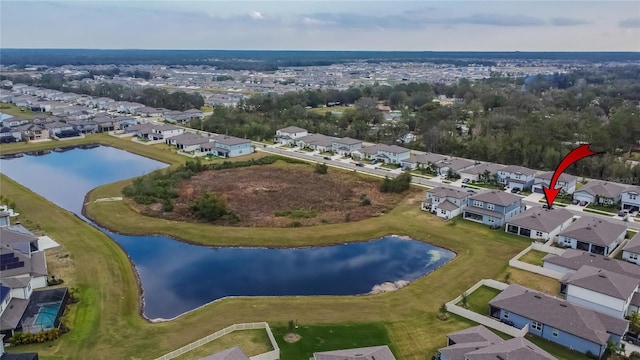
x,y
401,183
365,202
295,224
209,207
167,205
321,169
21,338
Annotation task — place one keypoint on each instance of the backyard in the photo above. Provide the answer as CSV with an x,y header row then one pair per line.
x,y
251,342
478,301
533,257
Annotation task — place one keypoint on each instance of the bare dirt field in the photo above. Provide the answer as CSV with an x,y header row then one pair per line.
x,y
284,195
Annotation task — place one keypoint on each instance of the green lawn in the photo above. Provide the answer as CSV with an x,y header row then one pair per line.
x,y
488,186
316,338
251,342
611,209
559,351
478,301
533,257
18,111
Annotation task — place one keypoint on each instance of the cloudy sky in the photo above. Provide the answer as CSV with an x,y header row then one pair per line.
x,y
538,25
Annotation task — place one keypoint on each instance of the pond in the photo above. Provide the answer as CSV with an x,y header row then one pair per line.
x,y
177,277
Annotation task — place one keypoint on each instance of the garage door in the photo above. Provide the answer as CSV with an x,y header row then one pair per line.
x,y
582,197
538,189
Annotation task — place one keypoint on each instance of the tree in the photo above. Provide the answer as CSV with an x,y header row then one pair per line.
x,y
634,322
443,312
464,300
209,207
321,168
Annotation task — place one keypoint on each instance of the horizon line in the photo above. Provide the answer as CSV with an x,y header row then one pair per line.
x,y
335,50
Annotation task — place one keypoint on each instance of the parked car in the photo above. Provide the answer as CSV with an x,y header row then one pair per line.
x,y
360,164
575,202
515,190
465,181
374,161
545,206
508,322
622,213
631,338
583,203
471,191
327,158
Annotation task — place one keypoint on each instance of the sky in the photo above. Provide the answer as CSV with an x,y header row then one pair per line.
x,y
426,25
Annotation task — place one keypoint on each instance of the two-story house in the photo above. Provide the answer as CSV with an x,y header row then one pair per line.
x,y
631,250
344,146
227,146
187,141
483,172
540,224
600,192
516,177
288,135
493,208
445,202
454,165
318,142
630,199
388,154
593,235
422,161
566,182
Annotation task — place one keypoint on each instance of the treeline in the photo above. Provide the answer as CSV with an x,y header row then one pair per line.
x,y
153,97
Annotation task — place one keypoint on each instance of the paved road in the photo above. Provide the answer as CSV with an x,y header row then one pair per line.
x,y
372,170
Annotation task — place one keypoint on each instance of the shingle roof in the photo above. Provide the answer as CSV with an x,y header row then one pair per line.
x,y
632,189
347,141
394,149
458,351
10,236
575,259
292,129
497,197
517,348
559,314
601,188
12,314
518,170
633,245
474,334
480,169
539,219
189,139
455,164
317,139
593,230
563,177
603,281
447,205
229,354
365,353
230,140
425,158
442,192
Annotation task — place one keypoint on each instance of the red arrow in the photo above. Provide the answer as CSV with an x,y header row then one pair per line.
x,y
576,154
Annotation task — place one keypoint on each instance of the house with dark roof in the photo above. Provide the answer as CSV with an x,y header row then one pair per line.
x,y
516,177
571,260
600,192
631,251
558,320
540,224
14,355
344,146
493,208
388,154
317,142
287,135
454,165
479,343
592,234
600,290
630,198
10,134
422,161
365,353
445,202
227,146
187,141
483,172
566,182
234,353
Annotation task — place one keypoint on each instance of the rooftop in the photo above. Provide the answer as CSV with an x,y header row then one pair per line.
x,y
602,188
497,197
593,230
539,219
603,281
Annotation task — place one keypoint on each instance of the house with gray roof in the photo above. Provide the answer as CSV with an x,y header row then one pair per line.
x,y
227,146
422,161
516,177
365,353
600,192
592,234
287,135
493,208
388,154
571,260
344,146
540,224
479,343
454,165
630,198
187,141
234,353
445,202
600,290
631,251
317,142
566,182
483,172
557,320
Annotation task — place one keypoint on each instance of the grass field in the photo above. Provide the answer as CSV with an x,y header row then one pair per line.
x,y
251,342
317,338
106,324
17,111
533,257
478,301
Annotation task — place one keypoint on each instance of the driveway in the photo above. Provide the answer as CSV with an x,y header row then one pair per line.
x,y
629,348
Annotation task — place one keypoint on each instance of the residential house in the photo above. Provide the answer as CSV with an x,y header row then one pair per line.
x,y
55,128
127,107
566,182
12,121
84,126
125,122
147,111
407,138
316,142
177,117
9,134
445,202
288,135
540,224
234,353
106,123
480,343
557,320
195,113
388,154
572,260
365,353
227,146
599,192
483,172
159,132
593,235
631,251
600,290
344,146
187,141
33,132
453,165
517,177
493,208
422,161
630,198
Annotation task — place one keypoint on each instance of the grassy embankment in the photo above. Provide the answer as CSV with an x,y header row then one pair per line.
x,y
22,112
106,323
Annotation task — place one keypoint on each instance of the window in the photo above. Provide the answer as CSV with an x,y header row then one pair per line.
x,y
490,206
538,233
632,197
556,332
443,212
490,219
505,315
536,326
633,256
477,203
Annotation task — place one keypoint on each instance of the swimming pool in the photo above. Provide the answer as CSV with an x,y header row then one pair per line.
x,y
46,317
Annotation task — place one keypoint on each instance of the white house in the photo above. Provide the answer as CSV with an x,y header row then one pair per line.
x,y
514,176
478,172
630,198
566,182
540,224
187,141
316,142
631,251
422,160
599,192
389,154
454,165
593,235
344,146
445,202
287,135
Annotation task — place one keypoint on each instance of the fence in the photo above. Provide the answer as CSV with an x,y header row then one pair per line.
x,y
483,319
270,355
514,262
